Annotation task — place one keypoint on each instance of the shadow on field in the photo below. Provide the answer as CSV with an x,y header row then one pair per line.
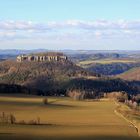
x,y
26,137
52,104
6,134
60,106
20,103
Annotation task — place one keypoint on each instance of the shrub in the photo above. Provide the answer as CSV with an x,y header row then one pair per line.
x,y
38,120
7,118
45,101
12,118
32,122
76,94
21,122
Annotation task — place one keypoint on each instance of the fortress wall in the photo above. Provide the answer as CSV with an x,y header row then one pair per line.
x,y
41,58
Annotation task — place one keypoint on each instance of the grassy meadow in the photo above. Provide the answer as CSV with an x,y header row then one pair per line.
x,y
132,74
130,114
106,61
63,118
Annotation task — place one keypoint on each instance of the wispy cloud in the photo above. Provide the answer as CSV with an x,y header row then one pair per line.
x,y
22,25
85,25
75,31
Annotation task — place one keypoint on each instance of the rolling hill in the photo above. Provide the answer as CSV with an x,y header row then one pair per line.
x,y
132,74
106,63
47,76
112,69
59,77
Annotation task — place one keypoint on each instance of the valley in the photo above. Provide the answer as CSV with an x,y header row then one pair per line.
x,y
54,98
69,69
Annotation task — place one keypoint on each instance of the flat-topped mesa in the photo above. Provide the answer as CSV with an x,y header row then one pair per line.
x,y
41,57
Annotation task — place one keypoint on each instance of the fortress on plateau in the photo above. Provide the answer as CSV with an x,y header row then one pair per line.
x,y
42,57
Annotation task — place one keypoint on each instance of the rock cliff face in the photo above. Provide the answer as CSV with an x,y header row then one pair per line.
x,y
42,57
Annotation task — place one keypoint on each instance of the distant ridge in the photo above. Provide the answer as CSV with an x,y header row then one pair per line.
x,y
67,51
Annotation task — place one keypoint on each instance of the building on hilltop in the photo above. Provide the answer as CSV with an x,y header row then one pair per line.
x,y
41,57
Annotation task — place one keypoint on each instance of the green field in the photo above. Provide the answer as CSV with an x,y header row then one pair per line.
x,y
64,119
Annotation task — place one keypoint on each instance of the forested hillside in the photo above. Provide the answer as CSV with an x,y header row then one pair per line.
x,y
112,69
57,78
45,76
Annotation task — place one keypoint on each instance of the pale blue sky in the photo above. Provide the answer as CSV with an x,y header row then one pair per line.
x,y
44,10
77,24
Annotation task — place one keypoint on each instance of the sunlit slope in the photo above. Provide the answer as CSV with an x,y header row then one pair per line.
x,y
132,74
